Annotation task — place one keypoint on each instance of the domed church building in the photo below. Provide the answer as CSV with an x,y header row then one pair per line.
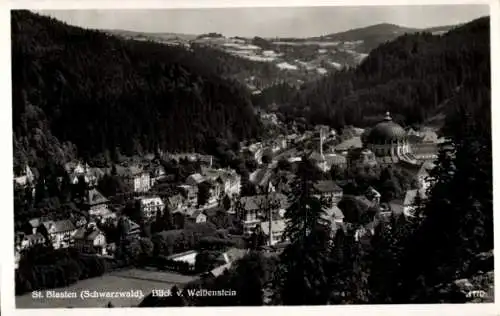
x,y
389,142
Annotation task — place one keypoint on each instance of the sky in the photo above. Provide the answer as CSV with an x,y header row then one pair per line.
x,y
269,22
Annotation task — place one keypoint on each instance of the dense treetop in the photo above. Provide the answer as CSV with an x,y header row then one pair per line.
x,y
102,93
413,76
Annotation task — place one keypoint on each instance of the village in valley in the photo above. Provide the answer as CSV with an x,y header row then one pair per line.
x,y
231,213
157,169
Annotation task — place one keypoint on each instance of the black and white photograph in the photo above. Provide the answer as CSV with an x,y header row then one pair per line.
x,y
251,156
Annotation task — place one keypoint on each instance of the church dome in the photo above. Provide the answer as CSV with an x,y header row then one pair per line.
x,y
386,131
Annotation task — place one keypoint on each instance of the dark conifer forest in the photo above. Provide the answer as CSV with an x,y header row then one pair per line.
x,y
413,77
106,95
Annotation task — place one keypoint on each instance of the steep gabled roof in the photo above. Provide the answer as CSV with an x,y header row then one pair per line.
x,y
35,222
220,270
59,226
87,233
276,226
326,186
94,197
255,202
354,142
36,236
195,178
130,171
195,213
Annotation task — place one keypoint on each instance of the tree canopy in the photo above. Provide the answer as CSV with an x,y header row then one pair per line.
x,y
83,89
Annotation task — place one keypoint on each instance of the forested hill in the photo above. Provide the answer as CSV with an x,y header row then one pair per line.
x,y
414,76
104,95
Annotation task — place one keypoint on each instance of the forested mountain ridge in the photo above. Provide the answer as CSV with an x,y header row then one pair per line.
x,y
412,76
106,95
374,35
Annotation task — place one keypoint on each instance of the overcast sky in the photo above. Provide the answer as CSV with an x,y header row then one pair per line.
x,y
269,22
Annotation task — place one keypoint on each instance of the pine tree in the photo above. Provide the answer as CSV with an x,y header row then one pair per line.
x,y
304,280
458,215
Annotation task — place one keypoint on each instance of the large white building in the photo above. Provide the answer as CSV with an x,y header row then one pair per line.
x,y
150,206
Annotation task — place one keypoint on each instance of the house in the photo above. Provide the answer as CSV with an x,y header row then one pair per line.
x,y
334,214
206,160
215,192
261,177
217,271
76,168
425,144
335,160
229,179
277,227
25,178
251,209
187,257
195,179
351,131
197,216
96,204
325,162
361,157
189,193
35,223
60,232
156,174
351,143
93,175
150,206
229,257
90,239
80,221
233,254
28,241
328,190
364,233
132,228
135,176
176,202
